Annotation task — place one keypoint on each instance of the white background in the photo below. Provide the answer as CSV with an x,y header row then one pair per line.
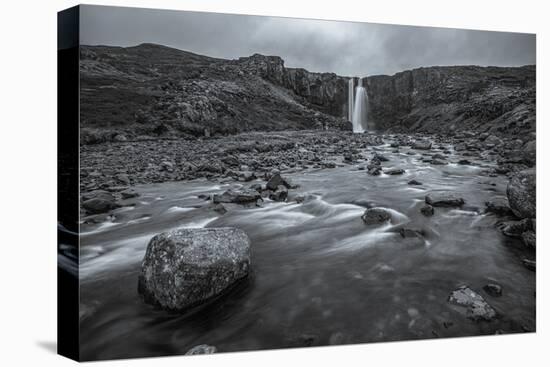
x,y
28,179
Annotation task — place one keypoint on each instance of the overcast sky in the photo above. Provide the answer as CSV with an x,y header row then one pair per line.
x,y
345,48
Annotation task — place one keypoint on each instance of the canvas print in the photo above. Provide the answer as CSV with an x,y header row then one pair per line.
x,y
241,183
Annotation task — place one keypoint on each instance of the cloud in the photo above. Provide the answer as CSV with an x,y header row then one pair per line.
x,y
346,48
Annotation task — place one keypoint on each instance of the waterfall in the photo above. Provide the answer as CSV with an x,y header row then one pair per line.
x,y
350,99
359,105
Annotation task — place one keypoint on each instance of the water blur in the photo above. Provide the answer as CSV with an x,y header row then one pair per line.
x,y
319,275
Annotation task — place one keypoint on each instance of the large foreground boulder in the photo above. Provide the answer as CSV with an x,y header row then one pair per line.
x,y
522,193
186,267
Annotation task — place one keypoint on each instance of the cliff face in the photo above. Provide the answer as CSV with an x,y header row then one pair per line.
x,y
156,90
326,92
443,99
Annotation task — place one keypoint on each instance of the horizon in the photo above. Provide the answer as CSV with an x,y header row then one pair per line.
x,y
314,71
340,47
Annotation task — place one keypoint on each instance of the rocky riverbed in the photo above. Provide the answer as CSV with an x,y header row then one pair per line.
x,y
352,238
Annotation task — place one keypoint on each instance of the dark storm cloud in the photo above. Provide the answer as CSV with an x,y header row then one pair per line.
x,y
345,48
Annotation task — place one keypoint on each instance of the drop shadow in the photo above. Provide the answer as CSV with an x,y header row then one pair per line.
x,y
48,345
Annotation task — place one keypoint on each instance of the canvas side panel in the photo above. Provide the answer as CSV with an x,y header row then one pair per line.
x,y
68,182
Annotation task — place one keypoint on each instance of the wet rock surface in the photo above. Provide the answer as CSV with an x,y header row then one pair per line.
x,y
476,307
444,199
186,267
375,216
522,193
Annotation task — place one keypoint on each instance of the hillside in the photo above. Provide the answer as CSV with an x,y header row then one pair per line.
x,y
151,90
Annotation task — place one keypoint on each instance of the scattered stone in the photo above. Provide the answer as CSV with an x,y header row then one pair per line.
x,y
498,206
277,180
438,162
422,145
464,162
427,210
521,192
515,228
394,171
381,158
476,307
201,349
280,194
414,182
241,196
444,199
375,216
129,193
186,267
493,289
99,205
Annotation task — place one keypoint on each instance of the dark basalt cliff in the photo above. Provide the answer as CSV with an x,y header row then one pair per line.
x,y
443,99
152,90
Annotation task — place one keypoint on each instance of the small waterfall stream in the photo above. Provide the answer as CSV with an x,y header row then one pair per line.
x,y
359,118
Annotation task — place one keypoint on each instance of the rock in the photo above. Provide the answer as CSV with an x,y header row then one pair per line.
x,y
99,205
246,176
380,158
464,162
201,349
476,307
515,228
414,182
186,267
492,140
521,192
280,194
422,145
123,178
493,289
529,239
427,210
498,206
241,196
438,162
375,216
410,233
167,166
374,170
129,193
530,264
444,199
394,171
277,180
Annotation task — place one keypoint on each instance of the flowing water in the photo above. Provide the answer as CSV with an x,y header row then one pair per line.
x,y
319,274
359,119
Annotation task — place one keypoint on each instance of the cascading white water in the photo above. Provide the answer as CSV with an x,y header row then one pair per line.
x,y
359,118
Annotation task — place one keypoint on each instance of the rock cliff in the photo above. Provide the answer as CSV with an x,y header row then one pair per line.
x,y
153,90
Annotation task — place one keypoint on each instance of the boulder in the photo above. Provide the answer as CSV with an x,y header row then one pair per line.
x,y
241,196
427,210
375,216
522,193
515,228
498,206
493,289
394,171
444,199
276,180
280,194
476,307
129,193
422,145
100,204
186,267
414,182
